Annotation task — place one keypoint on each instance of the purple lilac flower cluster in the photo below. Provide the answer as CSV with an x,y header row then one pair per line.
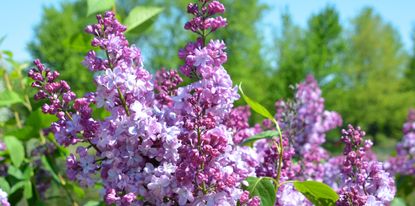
x,y
3,198
161,144
166,84
304,123
211,166
364,181
404,162
311,123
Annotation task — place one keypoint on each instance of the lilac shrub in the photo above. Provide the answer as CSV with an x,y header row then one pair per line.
x,y
164,143
161,144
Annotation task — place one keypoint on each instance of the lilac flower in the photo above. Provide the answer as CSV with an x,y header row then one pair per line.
x,y
404,162
364,181
3,198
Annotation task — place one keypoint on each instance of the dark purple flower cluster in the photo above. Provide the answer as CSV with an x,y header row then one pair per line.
x,y
166,84
364,181
204,20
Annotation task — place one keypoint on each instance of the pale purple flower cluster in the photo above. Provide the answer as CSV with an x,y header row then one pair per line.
x,y
364,181
161,144
3,198
211,166
404,162
304,123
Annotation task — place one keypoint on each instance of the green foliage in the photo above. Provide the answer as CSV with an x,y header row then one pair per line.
x,y
95,6
369,90
61,43
405,189
8,98
257,107
398,202
318,193
16,150
139,16
263,135
263,188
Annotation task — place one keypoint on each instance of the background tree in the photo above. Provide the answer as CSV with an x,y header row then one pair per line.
x,y
370,92
61,43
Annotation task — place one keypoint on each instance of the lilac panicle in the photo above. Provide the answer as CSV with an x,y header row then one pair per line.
x,y
211,166
364,181
161,144
404,162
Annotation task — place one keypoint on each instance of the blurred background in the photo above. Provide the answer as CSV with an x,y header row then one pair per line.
x,y
360,51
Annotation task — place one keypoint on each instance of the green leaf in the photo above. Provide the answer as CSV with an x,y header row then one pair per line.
x,y
79,192
39,121
17,186
4,185
8,98
23,134
263,188
27,190
92,203
95,6
398,202
140,15
15,172
28,173
16,150
48,167
263,135
257,107
316,192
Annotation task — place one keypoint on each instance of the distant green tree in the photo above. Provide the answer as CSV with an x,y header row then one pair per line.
x,y
371,93
410,70
61,43
291,55
324,45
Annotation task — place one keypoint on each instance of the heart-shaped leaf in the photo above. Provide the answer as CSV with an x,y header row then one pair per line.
x,y
140,15
317,192
95,6
263,188
16,150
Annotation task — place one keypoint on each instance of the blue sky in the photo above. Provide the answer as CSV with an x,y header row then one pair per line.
x,y
18,17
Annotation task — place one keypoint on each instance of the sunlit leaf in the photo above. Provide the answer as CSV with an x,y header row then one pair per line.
x,y
257,107
95,6
15,149
140,15
8,98
317,193
263,188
